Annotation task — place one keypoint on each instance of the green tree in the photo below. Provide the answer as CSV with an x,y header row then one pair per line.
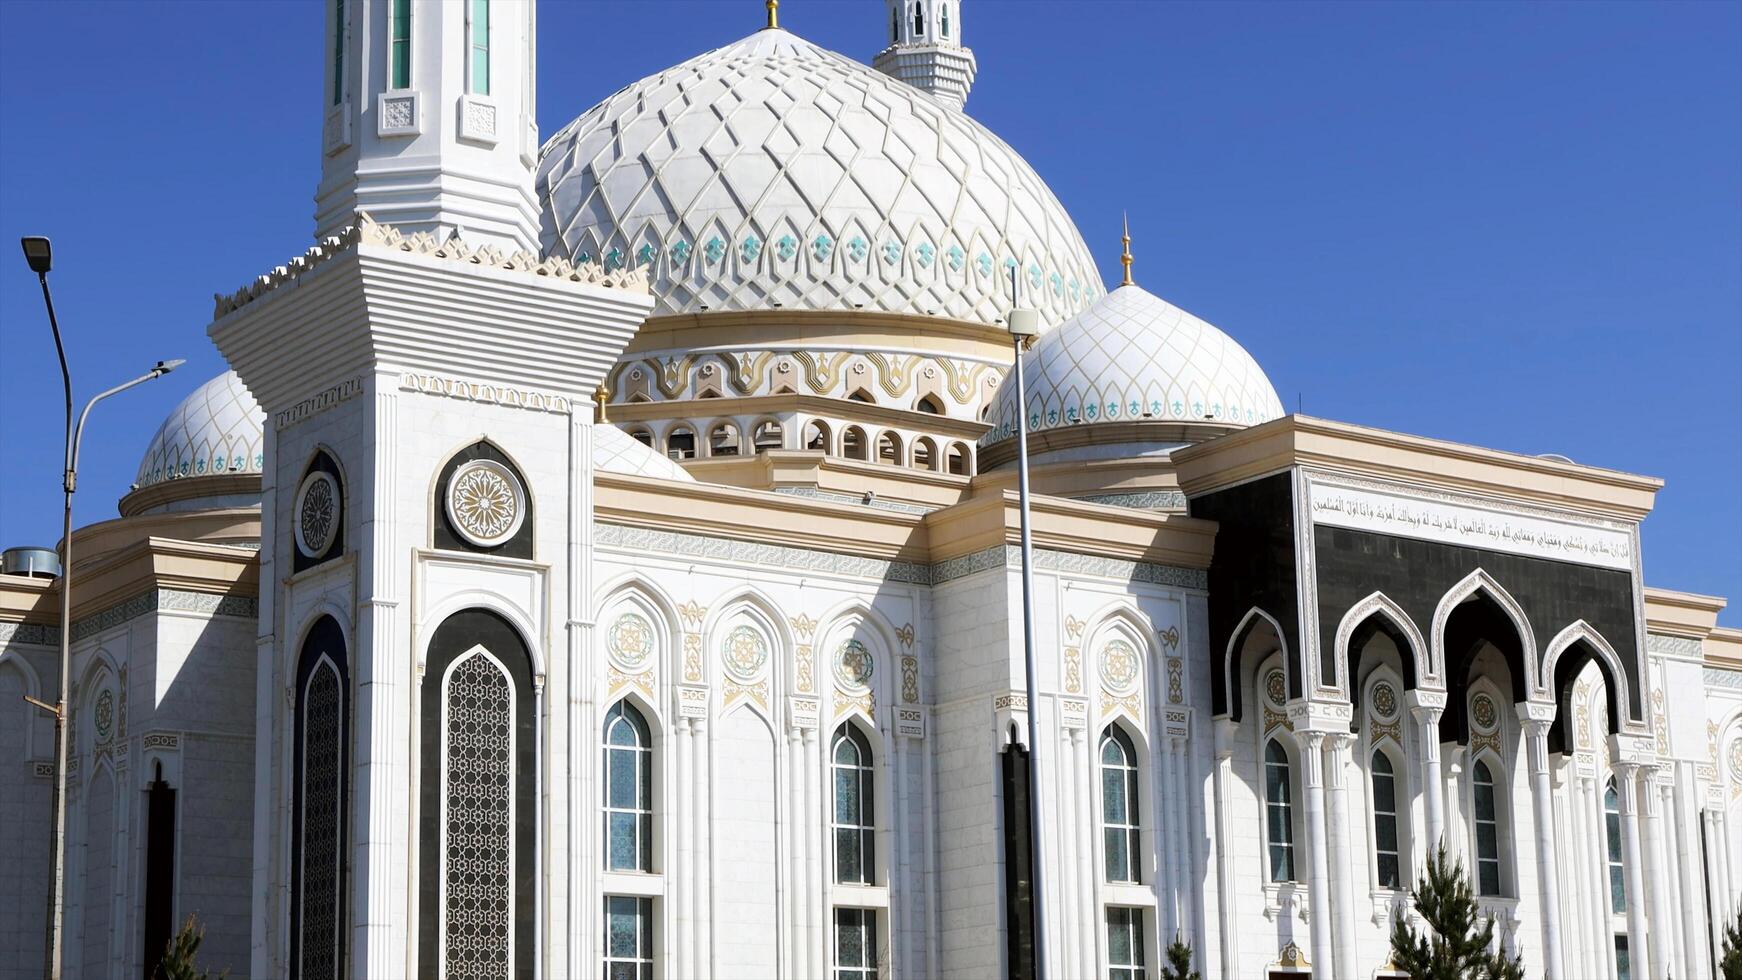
x,y
178,955
1179,962
1731,963
1459,941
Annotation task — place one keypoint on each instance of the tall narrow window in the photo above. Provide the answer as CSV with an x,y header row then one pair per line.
x,y
1385,849
478,44
1612,836
918,17
628,938
1119,826
629,790
944,20
1623,959
854,814
1279,811
1125,944
317,905
338,51
855,944
1487,830
894,24
400,44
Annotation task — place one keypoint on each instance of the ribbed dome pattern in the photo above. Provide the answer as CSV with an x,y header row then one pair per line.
x,y
773,173
216,430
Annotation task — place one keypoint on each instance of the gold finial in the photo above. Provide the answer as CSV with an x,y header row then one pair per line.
x,y
1125,259
773,14
602,396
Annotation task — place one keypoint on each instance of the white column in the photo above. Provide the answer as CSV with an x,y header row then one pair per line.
x,y
1427,706
1312,768
1536,719
1714,884
1079,869
1226,732
1627,788
1693,911
1167,869
1181,886
682,877
1342,888
822,924
704,892
1662,928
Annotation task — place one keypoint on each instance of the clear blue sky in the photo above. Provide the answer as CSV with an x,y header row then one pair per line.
x,y
1513,225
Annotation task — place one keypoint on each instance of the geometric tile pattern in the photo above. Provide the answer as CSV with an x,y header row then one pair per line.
x,y
616,451
218,429
1135,356
774,173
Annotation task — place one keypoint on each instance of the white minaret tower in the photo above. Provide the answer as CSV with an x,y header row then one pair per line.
x,y
925,49
429,121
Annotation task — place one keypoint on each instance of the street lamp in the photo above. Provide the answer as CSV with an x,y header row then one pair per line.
x,y
1024,326
40,255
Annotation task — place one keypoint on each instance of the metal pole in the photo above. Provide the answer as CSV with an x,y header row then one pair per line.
x,y
56,953
1034,825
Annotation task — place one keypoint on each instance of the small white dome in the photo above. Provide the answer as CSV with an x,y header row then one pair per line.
x,y
217,430
616,451
1136,357
774,173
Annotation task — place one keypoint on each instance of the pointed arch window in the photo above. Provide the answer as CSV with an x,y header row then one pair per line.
x,y
894,24
1279,810
1612,837
628,790
1119,826
318,885
918,18
1487,810
944,21
855,820
1387,854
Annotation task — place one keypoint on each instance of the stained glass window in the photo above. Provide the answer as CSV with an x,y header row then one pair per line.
x,y
478,822
855,812
1125,944
1119,827
1279,809
628,938
628,790
855,944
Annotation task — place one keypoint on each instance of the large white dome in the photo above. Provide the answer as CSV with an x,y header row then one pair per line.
x,y
216,430
773,173
1135,357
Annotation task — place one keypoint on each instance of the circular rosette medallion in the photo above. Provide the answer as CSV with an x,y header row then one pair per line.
x,y
1484,713
317,514
1119,666
744,653
1276,687
853,666
630,642
1384,701
105,715
485,504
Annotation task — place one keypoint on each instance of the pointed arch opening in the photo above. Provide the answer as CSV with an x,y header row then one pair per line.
x,y
321,804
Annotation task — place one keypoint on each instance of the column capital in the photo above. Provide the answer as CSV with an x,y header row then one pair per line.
x,y
1631,751
1536,712
1421,700
1321,717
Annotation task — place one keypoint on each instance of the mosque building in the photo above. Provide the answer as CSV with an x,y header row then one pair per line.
x,y
600,561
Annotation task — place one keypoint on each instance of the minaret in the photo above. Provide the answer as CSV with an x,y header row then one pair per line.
x,y
925,49
429,120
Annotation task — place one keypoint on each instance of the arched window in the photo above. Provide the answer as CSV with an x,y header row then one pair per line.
x,y
925,454
894,24
767,435
318,891
628,790
643,436
1487,808
944,20
889,449
929,405
680,443
340,29
1279,811
1385,847
861,395
478,46
1119,826
958,459
1612,836
723,439
853,442
816,435
855,813
918,18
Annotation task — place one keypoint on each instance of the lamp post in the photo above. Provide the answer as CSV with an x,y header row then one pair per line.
x,y
1024,327
40,256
